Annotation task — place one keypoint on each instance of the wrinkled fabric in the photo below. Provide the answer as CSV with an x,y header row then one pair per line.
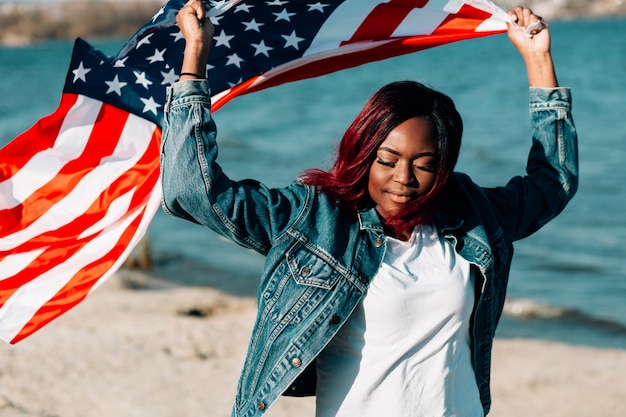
x,y
320,257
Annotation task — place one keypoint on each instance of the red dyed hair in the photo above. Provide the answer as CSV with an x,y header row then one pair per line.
x,y
346,181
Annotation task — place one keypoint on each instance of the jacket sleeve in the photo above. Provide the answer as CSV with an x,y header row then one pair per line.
x,y
528,202
195,188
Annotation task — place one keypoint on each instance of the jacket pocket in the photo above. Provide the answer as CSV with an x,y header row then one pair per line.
x,y
306,281
307,268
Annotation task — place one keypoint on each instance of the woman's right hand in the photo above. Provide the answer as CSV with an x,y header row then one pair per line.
x,y
198,32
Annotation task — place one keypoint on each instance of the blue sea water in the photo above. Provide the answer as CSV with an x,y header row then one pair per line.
x,y
573,271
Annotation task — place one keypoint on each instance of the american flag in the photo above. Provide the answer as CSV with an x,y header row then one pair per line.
x,y
79,189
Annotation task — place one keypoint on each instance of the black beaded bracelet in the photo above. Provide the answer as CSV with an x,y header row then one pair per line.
x,y
192,74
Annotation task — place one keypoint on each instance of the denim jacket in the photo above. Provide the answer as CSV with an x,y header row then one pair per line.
x,y
320,257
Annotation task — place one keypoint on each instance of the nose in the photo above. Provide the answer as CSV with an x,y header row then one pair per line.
x,y
403,174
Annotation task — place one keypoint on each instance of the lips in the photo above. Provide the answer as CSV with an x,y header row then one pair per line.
x,y
401,197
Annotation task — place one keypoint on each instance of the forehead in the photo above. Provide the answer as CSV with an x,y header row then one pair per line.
x,y
413,136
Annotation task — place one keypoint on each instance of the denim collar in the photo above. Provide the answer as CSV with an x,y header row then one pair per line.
x,y
446,222
369,220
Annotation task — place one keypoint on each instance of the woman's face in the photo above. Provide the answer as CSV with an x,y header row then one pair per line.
x,y
405,166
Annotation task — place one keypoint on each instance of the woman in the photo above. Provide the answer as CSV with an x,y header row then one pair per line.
x,y
385,276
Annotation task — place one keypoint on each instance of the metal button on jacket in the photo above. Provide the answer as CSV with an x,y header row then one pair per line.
x,y
296,362
335,319
378,242
261,406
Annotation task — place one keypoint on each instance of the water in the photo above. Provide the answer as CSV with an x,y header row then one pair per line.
x,y
573,270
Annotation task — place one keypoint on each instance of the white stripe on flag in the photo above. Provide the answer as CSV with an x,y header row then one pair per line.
x,y
340,26
493,24
498,20
133,141
151,207
420,22
43,166
302,62
30,297
14,263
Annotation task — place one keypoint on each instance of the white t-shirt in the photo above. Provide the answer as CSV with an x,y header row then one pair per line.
x,y
405,351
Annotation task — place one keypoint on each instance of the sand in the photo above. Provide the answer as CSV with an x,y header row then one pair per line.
x,y
137,347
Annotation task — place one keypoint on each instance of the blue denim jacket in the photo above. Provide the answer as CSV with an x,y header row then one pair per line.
x,y
320,258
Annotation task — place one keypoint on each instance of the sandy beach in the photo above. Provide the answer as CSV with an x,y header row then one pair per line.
x,y
138,347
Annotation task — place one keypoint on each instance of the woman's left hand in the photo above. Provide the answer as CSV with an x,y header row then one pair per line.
x,y
530,35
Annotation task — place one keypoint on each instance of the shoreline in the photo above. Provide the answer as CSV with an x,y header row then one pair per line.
x,y
521,318
139,346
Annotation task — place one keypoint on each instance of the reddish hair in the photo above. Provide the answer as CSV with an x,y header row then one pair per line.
x,y
346,181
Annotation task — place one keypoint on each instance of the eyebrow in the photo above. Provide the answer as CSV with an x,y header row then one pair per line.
x,y
418,155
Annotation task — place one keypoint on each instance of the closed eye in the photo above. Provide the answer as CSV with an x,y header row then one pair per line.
x,y
386,163
427,168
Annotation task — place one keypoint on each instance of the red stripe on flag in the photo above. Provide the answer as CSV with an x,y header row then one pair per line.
x,y
39,137
62,243
138,176
142,176
240,89
78,287
455,27
101,143
467,18
384,20
317,67
61,251
19,151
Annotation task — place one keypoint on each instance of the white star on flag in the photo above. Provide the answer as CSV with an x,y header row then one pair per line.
x,y
235,60
80,73
253,25
141,79
150,105
169,77
283,15
292,40
261,48
223,39
157,56
115,86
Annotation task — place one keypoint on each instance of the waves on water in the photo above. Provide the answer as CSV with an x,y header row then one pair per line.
x,y
524,318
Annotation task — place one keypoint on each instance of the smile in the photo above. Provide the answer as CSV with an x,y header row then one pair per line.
x,y
400,197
